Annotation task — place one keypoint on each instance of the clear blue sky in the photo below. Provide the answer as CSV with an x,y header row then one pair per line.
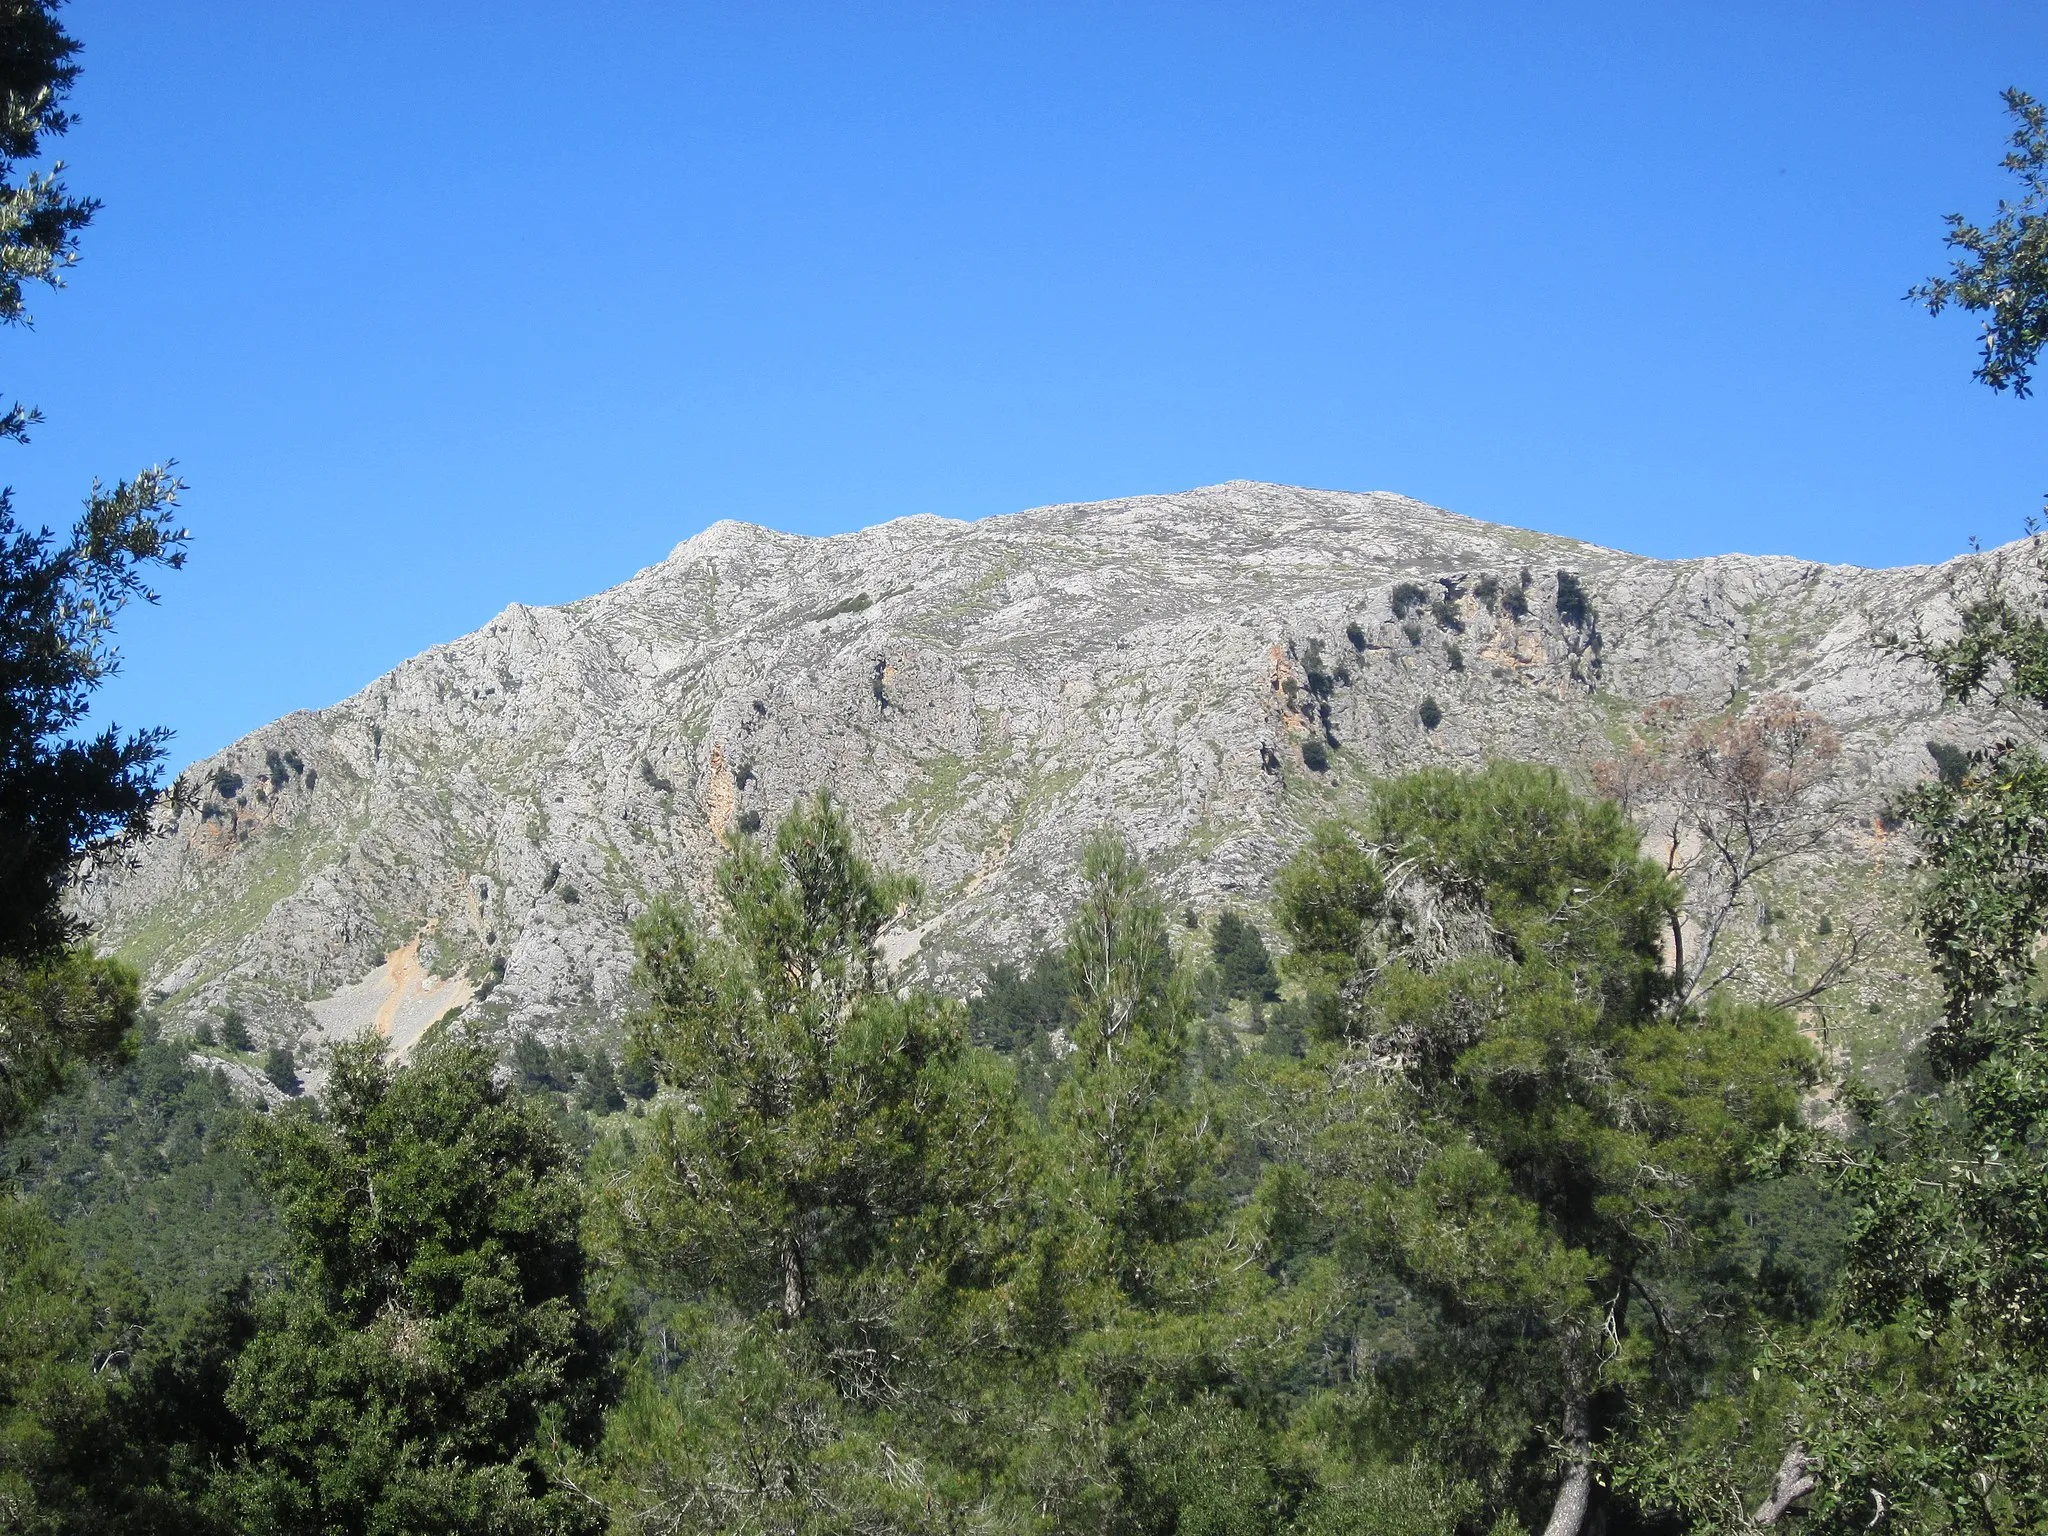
x,y
443,306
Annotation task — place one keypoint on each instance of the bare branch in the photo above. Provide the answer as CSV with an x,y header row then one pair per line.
x,y
1834,970
1794,1481
1727,801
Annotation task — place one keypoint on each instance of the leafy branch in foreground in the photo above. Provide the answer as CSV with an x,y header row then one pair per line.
x,y
60,794
2003,271
64,793
39,218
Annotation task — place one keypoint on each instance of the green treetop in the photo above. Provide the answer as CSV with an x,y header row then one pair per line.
x,y
435,1352
820,1205
1245,967
1521,1127
824,1117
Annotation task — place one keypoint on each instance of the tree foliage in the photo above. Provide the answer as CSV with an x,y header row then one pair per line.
x,y
1925,1397
147,1170
1519,1127
63,791
828,1118
1241,957
39,218
1449,1264
436,1344
821,1198
2002,271
1019,1006
123,1284
59,1008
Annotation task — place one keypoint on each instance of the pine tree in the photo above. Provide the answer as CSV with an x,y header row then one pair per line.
x,y
1520,1128
436,1351
1241,956
822,1206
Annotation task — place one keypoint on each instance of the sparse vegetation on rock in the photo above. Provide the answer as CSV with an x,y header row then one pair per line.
x,y
1408,598
1051,720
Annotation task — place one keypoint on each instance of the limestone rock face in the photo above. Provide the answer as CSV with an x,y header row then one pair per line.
x,y
980,696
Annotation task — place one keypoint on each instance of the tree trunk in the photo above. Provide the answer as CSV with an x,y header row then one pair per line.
x,y
795,1293
1576,1496
1794,1481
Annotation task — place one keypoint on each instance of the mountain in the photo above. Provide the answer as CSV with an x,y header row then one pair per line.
x,y
476,830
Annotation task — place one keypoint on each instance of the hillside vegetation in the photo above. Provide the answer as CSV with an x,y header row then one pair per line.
x,y
1464,1212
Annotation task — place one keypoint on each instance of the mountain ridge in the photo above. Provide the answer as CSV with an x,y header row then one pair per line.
x,y
980,694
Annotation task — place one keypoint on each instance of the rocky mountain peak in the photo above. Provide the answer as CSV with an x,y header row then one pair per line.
x,y
1209,672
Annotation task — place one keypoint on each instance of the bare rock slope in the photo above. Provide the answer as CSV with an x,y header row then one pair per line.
x,y
477,829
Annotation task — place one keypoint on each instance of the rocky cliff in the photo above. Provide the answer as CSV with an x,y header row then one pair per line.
x,y
1208,672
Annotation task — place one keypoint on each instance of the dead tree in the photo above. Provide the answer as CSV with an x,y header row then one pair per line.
x,y
1723,802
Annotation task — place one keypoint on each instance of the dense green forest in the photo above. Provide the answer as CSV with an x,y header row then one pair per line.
x,y
1443,1193
1448,1240
1482,1229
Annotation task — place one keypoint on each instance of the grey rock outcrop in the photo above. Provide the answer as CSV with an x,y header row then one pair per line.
x,y
980,695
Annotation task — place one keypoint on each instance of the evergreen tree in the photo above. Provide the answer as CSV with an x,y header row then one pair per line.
x,y
822,1209
1242,959
1518,1127
71,1444
1134,1423
832,1117
107,1425
1176,1336
1133,1153
1017,1008
58,1424
435,1352
63,792
147,1170
58,1008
